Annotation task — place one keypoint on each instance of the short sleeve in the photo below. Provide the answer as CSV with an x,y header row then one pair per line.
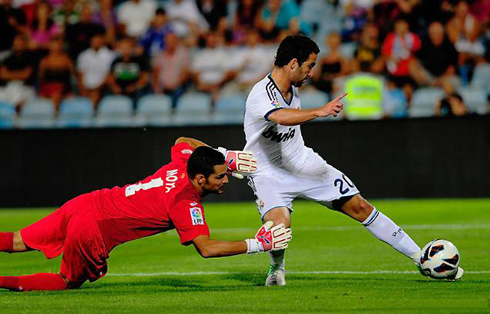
x,y
181,151
263,104
188,219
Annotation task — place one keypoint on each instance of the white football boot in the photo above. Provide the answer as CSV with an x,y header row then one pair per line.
x,y
276,276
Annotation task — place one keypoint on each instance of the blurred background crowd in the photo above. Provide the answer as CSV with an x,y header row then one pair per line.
x,y
145,58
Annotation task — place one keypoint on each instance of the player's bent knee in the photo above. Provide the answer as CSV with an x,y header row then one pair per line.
x,y
357,208
278,215
19,245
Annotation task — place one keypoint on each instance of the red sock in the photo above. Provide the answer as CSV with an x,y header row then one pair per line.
x,y
42,281
6,242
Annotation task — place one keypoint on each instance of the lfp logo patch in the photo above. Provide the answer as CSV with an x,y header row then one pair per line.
x,y
196,215
275,103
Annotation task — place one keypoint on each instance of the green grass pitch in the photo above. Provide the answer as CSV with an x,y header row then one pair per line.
x,y
334,265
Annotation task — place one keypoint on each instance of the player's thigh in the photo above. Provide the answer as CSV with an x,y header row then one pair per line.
x,y
273,192
331,191
84,253
278,215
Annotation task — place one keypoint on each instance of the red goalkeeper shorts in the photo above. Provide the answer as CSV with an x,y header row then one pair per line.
x,y
73,231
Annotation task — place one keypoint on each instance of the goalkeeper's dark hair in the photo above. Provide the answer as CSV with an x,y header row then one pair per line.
x,y
203,160
295,46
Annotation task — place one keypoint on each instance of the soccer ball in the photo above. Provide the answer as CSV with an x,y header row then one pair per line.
x,y
440,259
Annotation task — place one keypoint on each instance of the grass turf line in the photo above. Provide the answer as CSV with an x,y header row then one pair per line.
x,y
324,241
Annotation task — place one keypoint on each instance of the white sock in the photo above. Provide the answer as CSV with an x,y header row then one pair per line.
x,y
387,231
278,258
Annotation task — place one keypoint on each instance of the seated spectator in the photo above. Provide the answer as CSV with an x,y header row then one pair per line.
x,y
452,105
210,66
12,22
399,48
253,62
245,18
78,35
106,17
437,61
368,52
332,67
266,21
463,31
129,73
185,18
93,66
356,16
171,71
16,73
214,11
55,73
153,41
136,16
43,27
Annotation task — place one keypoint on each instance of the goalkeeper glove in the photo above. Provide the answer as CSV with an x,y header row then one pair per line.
x,y
269,238
239,163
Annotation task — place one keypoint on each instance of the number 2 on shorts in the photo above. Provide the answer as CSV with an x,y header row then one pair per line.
x,y
340,183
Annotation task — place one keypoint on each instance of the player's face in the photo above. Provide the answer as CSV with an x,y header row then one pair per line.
x,y
305,71
216,182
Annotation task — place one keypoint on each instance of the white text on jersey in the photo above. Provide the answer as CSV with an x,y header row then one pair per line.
x,y
170,180
132,189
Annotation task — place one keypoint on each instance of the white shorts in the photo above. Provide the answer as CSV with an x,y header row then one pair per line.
x,y
279,189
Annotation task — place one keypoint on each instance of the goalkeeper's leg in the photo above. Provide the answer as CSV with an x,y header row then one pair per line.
x,y
381,227
276,275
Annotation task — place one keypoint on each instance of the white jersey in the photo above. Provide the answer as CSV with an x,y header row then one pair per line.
x,y
278,147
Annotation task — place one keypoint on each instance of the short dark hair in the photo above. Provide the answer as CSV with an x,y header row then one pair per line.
x,y
295,46
203,160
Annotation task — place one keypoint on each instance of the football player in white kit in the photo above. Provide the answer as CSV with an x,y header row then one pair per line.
x,y
287,169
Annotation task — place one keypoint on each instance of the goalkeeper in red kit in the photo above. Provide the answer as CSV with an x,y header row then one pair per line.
x,y
87,228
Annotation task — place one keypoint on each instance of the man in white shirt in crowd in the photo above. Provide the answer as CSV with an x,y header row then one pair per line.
x,y
93,65
136,16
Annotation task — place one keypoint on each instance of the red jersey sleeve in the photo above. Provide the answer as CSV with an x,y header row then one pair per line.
x,y
181,151
188,219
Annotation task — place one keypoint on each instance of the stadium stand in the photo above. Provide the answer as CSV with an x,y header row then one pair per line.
x,y
7,114
193,109
38,113
229,109
424,102
75,112
154,110
115,111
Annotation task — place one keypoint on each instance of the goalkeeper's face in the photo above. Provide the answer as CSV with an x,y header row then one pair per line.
x,y
216,181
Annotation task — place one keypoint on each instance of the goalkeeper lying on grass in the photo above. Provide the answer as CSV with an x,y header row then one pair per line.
x,y
87,228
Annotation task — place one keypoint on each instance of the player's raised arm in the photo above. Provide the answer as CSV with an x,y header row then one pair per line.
x,y
298,116
268,238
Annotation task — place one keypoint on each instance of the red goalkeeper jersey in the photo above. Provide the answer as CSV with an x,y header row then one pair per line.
x,y
162,201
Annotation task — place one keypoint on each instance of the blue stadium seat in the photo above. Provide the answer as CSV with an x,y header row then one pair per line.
x,y
481,77
37,113
424,102
193,109
154,110
312,98
115,111
229,109
475,100
76,112
7,115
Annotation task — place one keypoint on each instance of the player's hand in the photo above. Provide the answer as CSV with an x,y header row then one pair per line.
x,y
269,238
332,108
239,163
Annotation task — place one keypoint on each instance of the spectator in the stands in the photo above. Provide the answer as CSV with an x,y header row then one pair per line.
x,y
368,52
332,67
171,71
12,22
214,11
93,66
16,73
463,30
437,61
245,18
186,20
136,16
266,21
210,66
43,27
451,105
55,73
78,35
106,16
355,17
398,49
129,74
153,41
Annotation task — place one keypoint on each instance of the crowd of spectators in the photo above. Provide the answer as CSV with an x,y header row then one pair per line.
x,y
61,48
